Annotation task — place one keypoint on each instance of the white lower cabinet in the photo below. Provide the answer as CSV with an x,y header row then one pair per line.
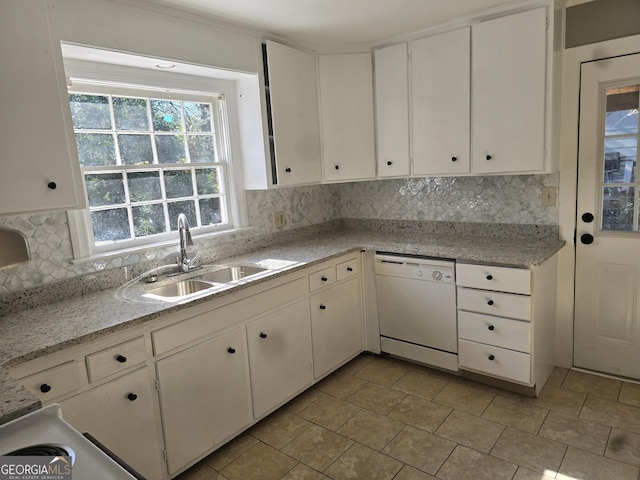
x,y
122,415
336,326
280,358
204,396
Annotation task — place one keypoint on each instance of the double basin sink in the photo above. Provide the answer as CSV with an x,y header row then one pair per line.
x,y
206,281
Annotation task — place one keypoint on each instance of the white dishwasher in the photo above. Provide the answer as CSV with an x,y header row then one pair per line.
x,y
417,309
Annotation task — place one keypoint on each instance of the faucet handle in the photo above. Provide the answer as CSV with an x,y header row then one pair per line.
x,y
194,259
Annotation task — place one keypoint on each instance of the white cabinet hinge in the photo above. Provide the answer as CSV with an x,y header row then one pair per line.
x,y
165,456
156,383
547,24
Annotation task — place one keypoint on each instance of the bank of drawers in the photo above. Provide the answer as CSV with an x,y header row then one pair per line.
x,y
494,321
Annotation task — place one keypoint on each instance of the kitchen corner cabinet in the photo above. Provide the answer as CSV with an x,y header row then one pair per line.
x,y
506,321
40,169
294,114
346,112
392,110
440,103
508,78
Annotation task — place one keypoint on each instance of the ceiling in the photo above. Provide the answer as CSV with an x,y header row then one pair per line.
x,y
327,23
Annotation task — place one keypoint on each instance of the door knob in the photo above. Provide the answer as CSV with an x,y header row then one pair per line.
x,y
586,238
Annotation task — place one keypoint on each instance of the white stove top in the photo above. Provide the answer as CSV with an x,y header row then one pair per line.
x,y
46,426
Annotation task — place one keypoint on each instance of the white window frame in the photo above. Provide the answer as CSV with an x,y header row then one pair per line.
x,y
98,77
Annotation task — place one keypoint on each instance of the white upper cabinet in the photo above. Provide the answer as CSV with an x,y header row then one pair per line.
x,y
440,103
40,169
294,114
392,110
346,108
509,58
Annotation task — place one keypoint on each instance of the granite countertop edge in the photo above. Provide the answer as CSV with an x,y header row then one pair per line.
x,y
25,336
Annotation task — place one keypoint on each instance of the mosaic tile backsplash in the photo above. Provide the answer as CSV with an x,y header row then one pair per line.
x,y
499,199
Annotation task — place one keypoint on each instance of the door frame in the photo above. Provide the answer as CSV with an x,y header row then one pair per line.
x,y
572,60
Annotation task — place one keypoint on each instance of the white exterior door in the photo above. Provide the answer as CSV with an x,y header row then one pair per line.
x,y
607,324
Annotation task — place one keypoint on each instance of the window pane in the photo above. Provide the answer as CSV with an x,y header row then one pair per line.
x,y
166,116
130,113
178,183
110,225
201,148
90,111
617,209
148,220
197,117
144,186
207,181
620,159
135,149
210,211
187,207
170,149
622,110
105,189
96,149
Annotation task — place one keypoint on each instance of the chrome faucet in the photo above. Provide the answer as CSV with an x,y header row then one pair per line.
x,y
185,263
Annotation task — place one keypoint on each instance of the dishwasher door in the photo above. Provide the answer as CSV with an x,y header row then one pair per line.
x,y
417,309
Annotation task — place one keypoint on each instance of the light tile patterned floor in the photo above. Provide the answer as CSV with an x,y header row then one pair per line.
x,y
380,418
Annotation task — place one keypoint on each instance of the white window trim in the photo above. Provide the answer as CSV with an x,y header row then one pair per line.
x,y
79,220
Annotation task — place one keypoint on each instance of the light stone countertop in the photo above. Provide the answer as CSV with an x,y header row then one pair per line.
x,y
43,330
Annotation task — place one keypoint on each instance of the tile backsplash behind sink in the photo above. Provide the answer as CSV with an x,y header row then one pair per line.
x,y
499,199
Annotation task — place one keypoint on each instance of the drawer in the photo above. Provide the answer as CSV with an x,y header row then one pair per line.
x,y
117,358
204,325
495,361
495,303
322,278
347,269
501,279
497,331
53,382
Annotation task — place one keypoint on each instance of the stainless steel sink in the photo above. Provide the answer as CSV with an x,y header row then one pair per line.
x,y
180,289
230,274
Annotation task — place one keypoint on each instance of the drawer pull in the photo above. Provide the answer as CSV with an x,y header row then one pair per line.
x,y
489,277
490,302
491,357
323,307
231,350
349,269
132,396
121,358
324,279
491,327
44,388
263,335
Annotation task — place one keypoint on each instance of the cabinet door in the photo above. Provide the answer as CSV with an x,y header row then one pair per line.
x,y
279,356
204,396
40,169
122,415
294,113
508,91
392,110
440,103
346,106
336,326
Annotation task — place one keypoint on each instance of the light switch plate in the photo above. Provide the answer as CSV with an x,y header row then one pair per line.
x,y
549,196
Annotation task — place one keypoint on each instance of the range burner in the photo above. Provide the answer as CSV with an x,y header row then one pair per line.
x,y
45,450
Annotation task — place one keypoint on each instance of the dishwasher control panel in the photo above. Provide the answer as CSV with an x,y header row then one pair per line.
x,y
433,270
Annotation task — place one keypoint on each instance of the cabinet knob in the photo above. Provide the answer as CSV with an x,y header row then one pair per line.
x,y
587,217
488,157
491,357
337,167
324,279
263,335
288,169
323,307
490,302
389,162
132,396
489,277
52,185
454,159
491,327
231,350
349,269
44,388
121,358
586,238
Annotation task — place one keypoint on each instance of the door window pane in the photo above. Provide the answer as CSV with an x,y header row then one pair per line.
x,y
110,225
144,186
105,189
617,209
90,112
148,219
